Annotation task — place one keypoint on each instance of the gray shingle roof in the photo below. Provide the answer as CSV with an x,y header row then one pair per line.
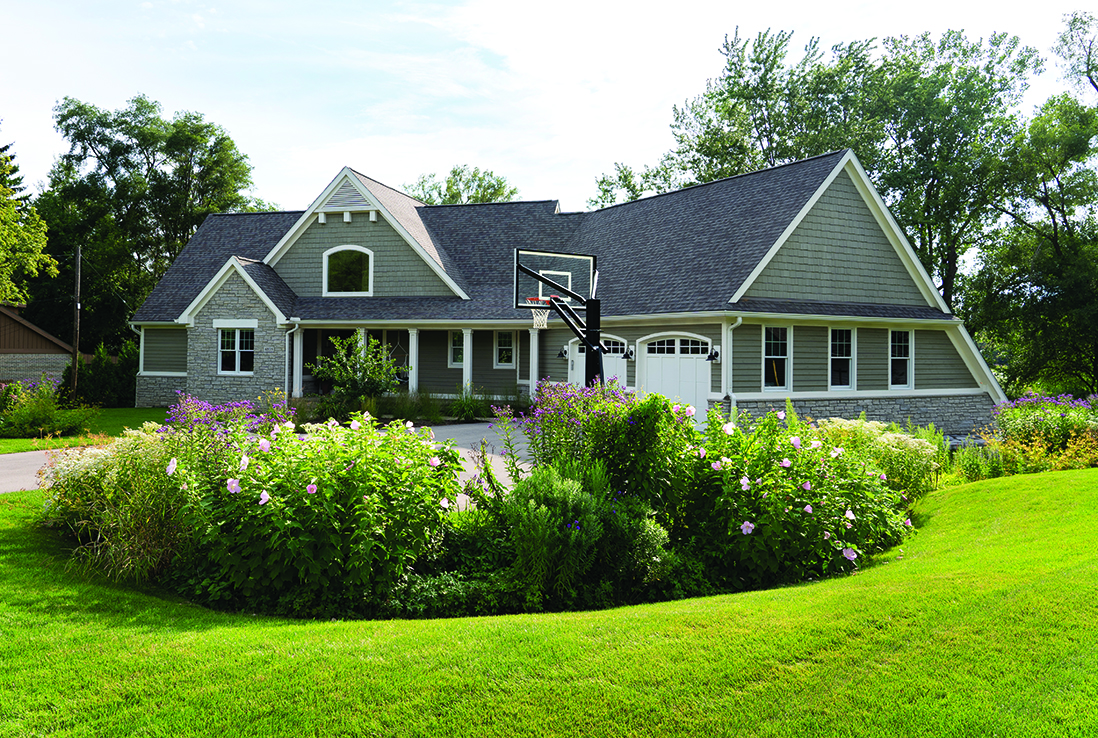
x,y
680,252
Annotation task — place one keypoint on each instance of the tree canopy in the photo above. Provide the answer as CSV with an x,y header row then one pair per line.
x,y
463,186
22,234
132,189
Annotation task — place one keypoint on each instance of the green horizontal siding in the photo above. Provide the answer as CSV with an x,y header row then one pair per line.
x,y
747,359
165,350
937,363
873,350
810,352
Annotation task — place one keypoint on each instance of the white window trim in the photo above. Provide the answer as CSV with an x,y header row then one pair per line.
x,y
324,274
496,363
910,361
236,342
450,363
788,386
853,358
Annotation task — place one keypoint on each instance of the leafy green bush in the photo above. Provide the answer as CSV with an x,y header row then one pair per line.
x,y
31,409
978,462
357,372
1051,421
105,381
468,405
911,464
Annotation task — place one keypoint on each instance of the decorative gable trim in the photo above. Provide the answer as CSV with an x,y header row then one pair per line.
x,y
232,266
347,193
850,164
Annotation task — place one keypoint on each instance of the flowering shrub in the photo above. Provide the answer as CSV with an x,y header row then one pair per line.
x,y
910,463
268,520
1052,421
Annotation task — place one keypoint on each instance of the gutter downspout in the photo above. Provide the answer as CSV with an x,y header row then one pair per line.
x,y
729,395
289,333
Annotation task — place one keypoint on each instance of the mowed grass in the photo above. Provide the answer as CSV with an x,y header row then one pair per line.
x,y
109,423
984,624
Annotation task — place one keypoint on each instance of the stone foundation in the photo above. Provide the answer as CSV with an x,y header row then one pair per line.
x,y
15,367
158,391
958,415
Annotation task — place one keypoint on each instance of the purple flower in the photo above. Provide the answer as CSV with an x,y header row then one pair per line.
x,y
243,462
850,554
445,503
781,415
690,411
849,515
355,425
827,535
264,445
882,476
796,441
434,461
701,453
816,444
729,428
908,523
808,509
171,466
848,524
234,486
745,484
747,527
674,408
311,489
716,466
264,498
785,463
806,486
836,452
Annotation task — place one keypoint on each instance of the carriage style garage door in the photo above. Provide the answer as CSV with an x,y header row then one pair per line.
x,y
677,369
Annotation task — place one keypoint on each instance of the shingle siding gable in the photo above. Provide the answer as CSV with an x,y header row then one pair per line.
x,y
838,253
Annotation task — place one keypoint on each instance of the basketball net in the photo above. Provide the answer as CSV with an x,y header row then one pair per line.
x,y
541,315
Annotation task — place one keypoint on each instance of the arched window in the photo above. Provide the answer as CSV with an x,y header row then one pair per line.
x,y
348,271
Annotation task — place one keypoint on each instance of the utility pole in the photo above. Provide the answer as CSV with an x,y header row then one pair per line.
x,y
76,325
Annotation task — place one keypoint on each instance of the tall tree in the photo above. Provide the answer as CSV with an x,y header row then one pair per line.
x,y
1036,288
1078,47
22,234
463,186
132,189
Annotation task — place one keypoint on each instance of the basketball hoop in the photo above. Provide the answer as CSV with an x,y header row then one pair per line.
x,y
541,315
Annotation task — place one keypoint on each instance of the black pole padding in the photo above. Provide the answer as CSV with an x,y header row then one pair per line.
x,y
593,336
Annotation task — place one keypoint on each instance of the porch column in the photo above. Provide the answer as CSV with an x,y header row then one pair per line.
x,y
299,361
534,332
413,359
467,359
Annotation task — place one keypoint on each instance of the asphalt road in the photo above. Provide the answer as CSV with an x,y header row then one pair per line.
x,y
20,471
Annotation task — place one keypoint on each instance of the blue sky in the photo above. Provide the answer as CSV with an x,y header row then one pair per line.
x,y
549,95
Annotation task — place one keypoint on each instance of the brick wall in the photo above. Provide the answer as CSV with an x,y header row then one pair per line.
x,y
31,366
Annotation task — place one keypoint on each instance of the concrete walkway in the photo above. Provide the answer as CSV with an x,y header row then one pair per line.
x,y
19,471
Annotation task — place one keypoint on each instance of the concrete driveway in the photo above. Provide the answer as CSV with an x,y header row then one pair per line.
x,y
19,471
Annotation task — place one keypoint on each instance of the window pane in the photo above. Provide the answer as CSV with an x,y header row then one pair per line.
x,y
457,347
840,372
840,343
349,271
228,361
692,346
901,344
614,347
899,372
663,346
247,361
228,340
247,340
775,342
774,371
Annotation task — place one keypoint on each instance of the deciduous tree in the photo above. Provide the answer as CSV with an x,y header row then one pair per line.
x,y
22,235
464,185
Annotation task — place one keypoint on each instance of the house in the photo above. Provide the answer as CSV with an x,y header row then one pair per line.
x,y
27,351
791,282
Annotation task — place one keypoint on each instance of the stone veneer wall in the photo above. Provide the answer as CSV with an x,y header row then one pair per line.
x,y
14,367
952,414
158,391
235,300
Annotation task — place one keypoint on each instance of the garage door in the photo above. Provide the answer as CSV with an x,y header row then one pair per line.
x,y
613,361
676,368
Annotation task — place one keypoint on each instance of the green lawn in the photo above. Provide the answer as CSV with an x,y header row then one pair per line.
x,y
109,422
984,624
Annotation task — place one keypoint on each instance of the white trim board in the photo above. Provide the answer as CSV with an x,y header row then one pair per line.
x,y
231,266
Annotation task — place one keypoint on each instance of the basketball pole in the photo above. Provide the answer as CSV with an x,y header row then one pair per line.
x,y
592,361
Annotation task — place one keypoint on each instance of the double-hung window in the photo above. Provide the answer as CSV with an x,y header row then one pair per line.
x,y
776,358
456,356
842,358
236,351
505,349
899,376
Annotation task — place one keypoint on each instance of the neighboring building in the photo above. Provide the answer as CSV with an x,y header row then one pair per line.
x,y
789,282
27,351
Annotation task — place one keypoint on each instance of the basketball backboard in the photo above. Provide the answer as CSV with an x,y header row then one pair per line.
x,y
574,272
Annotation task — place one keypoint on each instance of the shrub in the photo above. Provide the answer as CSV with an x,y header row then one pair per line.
x,y
911,464
356,371
978,462
468,405
105,381
31,409
1050,421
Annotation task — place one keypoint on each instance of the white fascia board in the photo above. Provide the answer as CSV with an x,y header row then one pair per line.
x,y
770,254
970,354
894,233
232,266
348,175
